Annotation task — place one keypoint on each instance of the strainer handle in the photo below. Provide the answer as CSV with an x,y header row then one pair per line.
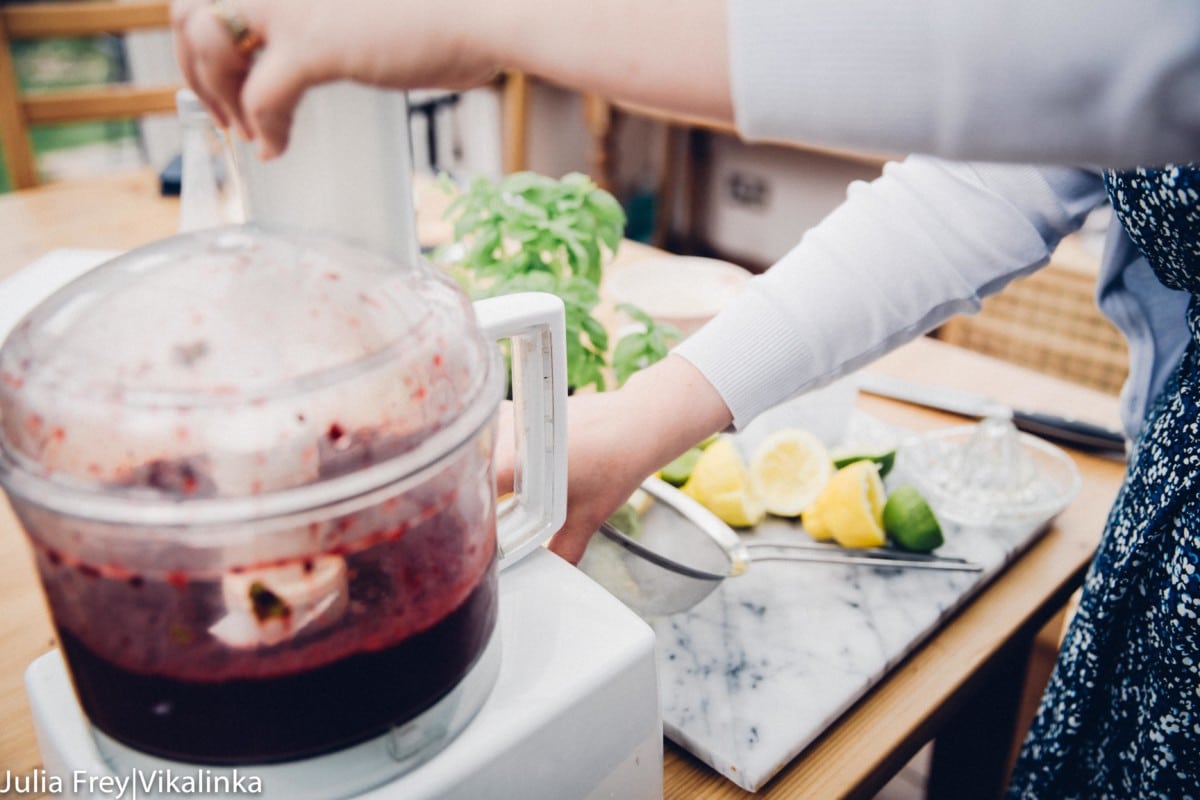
x,y
535,324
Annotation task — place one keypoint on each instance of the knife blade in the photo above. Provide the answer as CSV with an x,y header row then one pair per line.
x,y
1055,427
864,561
882,553
872,557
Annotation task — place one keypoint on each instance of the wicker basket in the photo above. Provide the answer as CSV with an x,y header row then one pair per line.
x,y
1049,322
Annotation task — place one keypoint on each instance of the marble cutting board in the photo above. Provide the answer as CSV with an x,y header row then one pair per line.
x,y
757,670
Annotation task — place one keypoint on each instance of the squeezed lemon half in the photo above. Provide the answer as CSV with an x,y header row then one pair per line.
x,y
788,470
849,510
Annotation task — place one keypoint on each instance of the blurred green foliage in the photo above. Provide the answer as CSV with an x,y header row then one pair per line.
x,y
531,233
69,63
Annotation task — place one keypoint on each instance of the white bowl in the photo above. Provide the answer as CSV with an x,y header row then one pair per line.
x,y
684,291
971,484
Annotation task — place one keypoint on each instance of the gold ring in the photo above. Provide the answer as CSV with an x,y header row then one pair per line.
x,y
245,40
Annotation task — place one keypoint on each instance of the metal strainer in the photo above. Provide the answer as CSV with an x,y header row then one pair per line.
x,y
683,552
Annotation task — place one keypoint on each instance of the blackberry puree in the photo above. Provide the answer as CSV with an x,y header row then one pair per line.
x,y
415,608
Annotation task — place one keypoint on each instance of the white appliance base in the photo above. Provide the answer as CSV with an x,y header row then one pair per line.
x,y
574,714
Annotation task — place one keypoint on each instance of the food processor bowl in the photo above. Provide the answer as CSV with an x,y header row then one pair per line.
x,y
255,466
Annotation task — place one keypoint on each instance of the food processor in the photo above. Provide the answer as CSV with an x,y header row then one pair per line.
x,y
254,463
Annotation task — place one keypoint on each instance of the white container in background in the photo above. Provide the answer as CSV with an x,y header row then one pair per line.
x,y
684,291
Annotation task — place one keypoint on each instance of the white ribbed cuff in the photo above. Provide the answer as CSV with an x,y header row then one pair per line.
x,y
751,354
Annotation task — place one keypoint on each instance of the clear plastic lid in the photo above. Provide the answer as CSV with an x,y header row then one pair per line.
x,y
237,362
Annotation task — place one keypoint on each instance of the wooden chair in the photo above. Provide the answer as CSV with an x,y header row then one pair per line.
x,y
1049,321
514,88
20,111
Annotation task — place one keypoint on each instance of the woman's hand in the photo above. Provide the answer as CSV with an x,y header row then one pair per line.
x,y
616,439
624,49
291,45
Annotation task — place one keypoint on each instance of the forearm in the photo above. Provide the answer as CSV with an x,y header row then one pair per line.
x,y
615,439
669,54
903,254
667,408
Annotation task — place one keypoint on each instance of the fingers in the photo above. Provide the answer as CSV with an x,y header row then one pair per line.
x,y
225,54
183,13
225,87
587,508
211,62
504,454
268,102
570,542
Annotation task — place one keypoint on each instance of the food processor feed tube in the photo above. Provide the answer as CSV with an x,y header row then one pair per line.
x,y
347,171
255,467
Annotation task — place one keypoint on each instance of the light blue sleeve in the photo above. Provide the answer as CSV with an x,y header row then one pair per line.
x,y
904,253
1107,82
1152,317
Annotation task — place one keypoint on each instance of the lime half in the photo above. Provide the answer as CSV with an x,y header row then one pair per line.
x,y
910,522
678,471
627,520
885,460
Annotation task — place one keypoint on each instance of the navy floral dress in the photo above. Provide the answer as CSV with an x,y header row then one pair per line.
x,y
1121,716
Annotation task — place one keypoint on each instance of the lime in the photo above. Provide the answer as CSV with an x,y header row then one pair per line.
x,y
641,501
849,509
678,471
885,460
720,483
910,521
627,520
789,470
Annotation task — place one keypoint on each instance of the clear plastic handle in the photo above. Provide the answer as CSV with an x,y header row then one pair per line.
x,y
535,323
209,194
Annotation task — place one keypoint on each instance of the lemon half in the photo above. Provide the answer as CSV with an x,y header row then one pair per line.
x,y
789,470
849,509
720,482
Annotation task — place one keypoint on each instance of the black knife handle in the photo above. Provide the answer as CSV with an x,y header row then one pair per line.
x,y
1072,432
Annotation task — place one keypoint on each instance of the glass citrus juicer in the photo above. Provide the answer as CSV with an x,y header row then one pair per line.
x,y
254,463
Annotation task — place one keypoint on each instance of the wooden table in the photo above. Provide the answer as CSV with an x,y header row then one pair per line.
x,y
964,682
